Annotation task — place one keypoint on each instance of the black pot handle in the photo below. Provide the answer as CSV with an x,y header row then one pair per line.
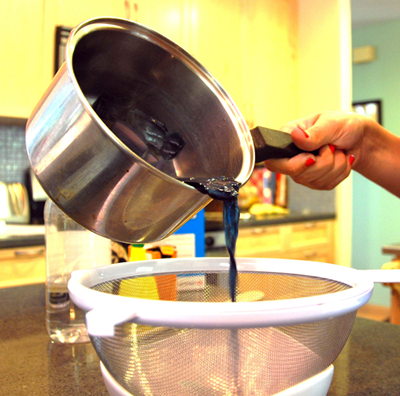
x,y
270,143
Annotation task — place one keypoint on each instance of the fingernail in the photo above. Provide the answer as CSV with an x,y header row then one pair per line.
x,y
351,159
310,161
332,147
305,133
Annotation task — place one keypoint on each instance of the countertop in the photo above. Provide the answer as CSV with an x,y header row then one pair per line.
x,y
391,249
31,365
33,235
214,220
21,236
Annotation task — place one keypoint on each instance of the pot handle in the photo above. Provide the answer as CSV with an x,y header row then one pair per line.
x,y
270,143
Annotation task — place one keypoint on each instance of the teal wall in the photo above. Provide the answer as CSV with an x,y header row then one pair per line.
x,y
376,213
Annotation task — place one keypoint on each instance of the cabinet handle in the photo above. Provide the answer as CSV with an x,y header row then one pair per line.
x,y
29,253
258,231
308,226
310,255
262,230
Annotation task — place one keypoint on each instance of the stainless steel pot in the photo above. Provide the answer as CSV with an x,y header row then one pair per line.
x,y
94,168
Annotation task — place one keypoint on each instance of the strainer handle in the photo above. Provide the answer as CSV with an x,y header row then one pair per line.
x,y
100,322
381,275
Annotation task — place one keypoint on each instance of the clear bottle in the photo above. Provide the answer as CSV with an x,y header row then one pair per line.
x,y
69,247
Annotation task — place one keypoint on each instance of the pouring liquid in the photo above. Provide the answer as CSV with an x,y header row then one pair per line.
x,y
226,190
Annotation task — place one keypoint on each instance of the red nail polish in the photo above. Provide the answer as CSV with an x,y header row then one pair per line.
x,y
351,159
310,161
305,133
332,147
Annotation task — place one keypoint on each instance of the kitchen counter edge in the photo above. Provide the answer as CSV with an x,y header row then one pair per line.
x,y
273,220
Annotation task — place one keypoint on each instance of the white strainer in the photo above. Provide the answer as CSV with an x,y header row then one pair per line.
x,y
155,337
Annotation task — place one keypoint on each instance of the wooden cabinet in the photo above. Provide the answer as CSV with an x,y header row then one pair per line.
x,y
247,46
260,242
311,241
21,62
22,266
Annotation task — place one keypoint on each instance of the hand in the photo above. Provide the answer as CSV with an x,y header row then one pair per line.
x,y
339,137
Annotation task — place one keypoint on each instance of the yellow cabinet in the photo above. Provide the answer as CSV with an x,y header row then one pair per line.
x,y
248,46
21,39
27,38
260,242
70,14
22,266
313,241
310,241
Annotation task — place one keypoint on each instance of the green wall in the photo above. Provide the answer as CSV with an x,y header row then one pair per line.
x,y
376,213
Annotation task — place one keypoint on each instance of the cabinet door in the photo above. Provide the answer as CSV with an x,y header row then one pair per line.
x,y
169,18
208,29
322,254
269,50
311,241
311,233
70,14
21,42
22,266
259,242
215,40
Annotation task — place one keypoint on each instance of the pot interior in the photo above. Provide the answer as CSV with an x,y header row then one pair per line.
x,y
136,80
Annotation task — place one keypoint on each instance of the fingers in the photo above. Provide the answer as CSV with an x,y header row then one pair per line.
x,y
344,130
288,166
327,172
305,132
322,172
338,137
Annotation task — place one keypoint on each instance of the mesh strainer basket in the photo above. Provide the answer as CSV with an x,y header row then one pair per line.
x,y
167,327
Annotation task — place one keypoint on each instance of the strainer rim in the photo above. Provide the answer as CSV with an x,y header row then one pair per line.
x,y
220,315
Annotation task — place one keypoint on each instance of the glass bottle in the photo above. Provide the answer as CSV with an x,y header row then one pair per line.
x,y
69,247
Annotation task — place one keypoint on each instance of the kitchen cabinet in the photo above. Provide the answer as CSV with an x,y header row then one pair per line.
x,y
263,241
27,35
268,45
251,53
70,14
216,44
171,18
22,266
21,39
311,241
196,26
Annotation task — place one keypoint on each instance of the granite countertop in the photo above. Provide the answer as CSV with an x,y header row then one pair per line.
x,y
31,365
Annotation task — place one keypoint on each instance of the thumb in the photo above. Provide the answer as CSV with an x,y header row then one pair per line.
x,y
315,131
310,139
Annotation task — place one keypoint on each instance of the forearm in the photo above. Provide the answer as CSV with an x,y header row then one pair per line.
x,y
378,158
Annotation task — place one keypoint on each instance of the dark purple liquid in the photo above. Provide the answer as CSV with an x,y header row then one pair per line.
x,y
231,225
226,190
